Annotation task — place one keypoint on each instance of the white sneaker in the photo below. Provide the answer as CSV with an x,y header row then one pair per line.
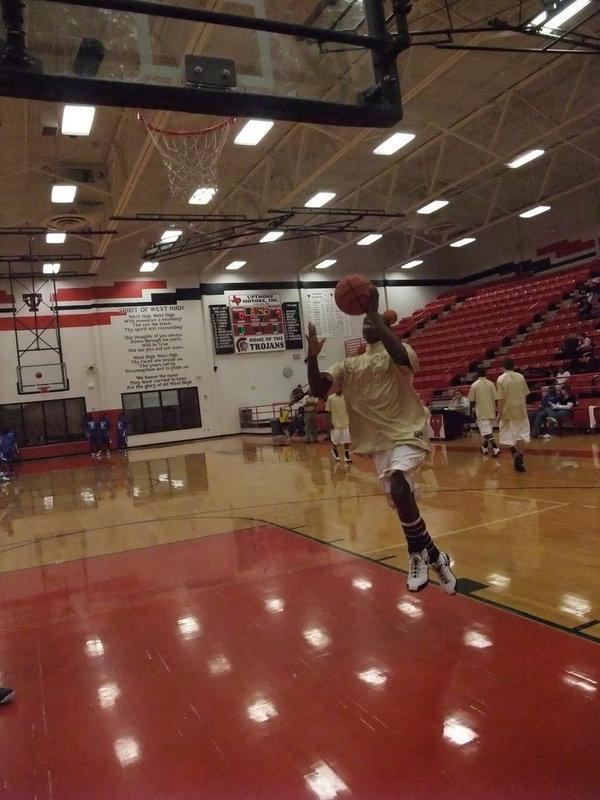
x,y
496,452
546,436
445,575
418,574
484,449
347,460
335,455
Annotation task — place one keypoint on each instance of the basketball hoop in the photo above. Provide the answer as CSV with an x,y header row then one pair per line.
x,y
190,156
43,388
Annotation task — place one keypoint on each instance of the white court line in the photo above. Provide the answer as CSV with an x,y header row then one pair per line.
x,y
498,521
437,536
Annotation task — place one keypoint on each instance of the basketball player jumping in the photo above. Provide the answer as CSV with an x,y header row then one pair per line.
x,y
388,422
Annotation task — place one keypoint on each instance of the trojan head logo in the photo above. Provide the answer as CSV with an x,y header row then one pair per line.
x,y
32,300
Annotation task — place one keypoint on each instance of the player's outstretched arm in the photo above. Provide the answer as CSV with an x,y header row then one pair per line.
x,y
389,340
319,382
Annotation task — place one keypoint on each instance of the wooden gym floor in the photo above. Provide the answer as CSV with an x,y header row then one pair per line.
x,y
229,619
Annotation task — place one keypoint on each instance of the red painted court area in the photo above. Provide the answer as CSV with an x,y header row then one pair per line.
x,y
261,664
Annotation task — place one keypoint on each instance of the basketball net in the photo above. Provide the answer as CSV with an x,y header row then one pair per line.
x,y
190,156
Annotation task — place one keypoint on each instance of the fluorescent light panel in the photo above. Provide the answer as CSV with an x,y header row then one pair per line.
x,y
411,264
235,265
564,15
202,196
50,269
435,205
393,143
369,239
55,237
463,242
77,120
533,212
170,235
149,266
253,131
328,262
271,236
530,155
319,199
63,193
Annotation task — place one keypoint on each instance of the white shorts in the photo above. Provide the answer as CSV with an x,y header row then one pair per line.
x,y
405,458
486,426
340,436
514,430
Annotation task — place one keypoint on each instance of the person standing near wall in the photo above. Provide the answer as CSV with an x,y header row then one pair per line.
x,y
104,435
512,410
340,425
311,430
483,397
91,431
389,423
8,449
122,425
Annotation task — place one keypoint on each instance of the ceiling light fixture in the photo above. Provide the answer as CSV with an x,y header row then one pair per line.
x,y
411,264
271,236
149,266
435,205
463,242
393,143
63,193
77,120
235,265
328,262
170,235
202,196
559,14
369,239
319,199
533,212
253,131
55,237
530,155
50,269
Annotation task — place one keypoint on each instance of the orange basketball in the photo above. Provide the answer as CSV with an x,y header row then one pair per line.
x,y
352,294
391,316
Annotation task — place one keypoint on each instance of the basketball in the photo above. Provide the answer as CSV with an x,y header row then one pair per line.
x,y
352,294
390,316
38,375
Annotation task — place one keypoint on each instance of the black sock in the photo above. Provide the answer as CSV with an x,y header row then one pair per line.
x,y
418,539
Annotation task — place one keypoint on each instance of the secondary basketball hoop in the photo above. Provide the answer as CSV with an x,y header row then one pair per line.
x,y
190,156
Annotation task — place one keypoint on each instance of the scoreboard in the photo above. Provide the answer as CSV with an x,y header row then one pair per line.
x,y
256,320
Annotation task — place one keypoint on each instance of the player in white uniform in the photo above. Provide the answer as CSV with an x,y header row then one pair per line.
x,y
388,422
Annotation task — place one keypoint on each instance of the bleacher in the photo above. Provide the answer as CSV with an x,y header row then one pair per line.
x,y
525,317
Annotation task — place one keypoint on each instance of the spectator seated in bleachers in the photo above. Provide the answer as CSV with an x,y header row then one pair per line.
x,y
537,416
561,376
561,410
297,394
586,345
570,346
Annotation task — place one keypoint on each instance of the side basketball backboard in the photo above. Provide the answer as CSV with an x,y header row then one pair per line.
x,y
323,61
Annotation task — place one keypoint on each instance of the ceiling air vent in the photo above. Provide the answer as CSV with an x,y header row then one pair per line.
x,y
68,222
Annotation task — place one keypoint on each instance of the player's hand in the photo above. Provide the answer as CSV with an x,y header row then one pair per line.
x,y
314,344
